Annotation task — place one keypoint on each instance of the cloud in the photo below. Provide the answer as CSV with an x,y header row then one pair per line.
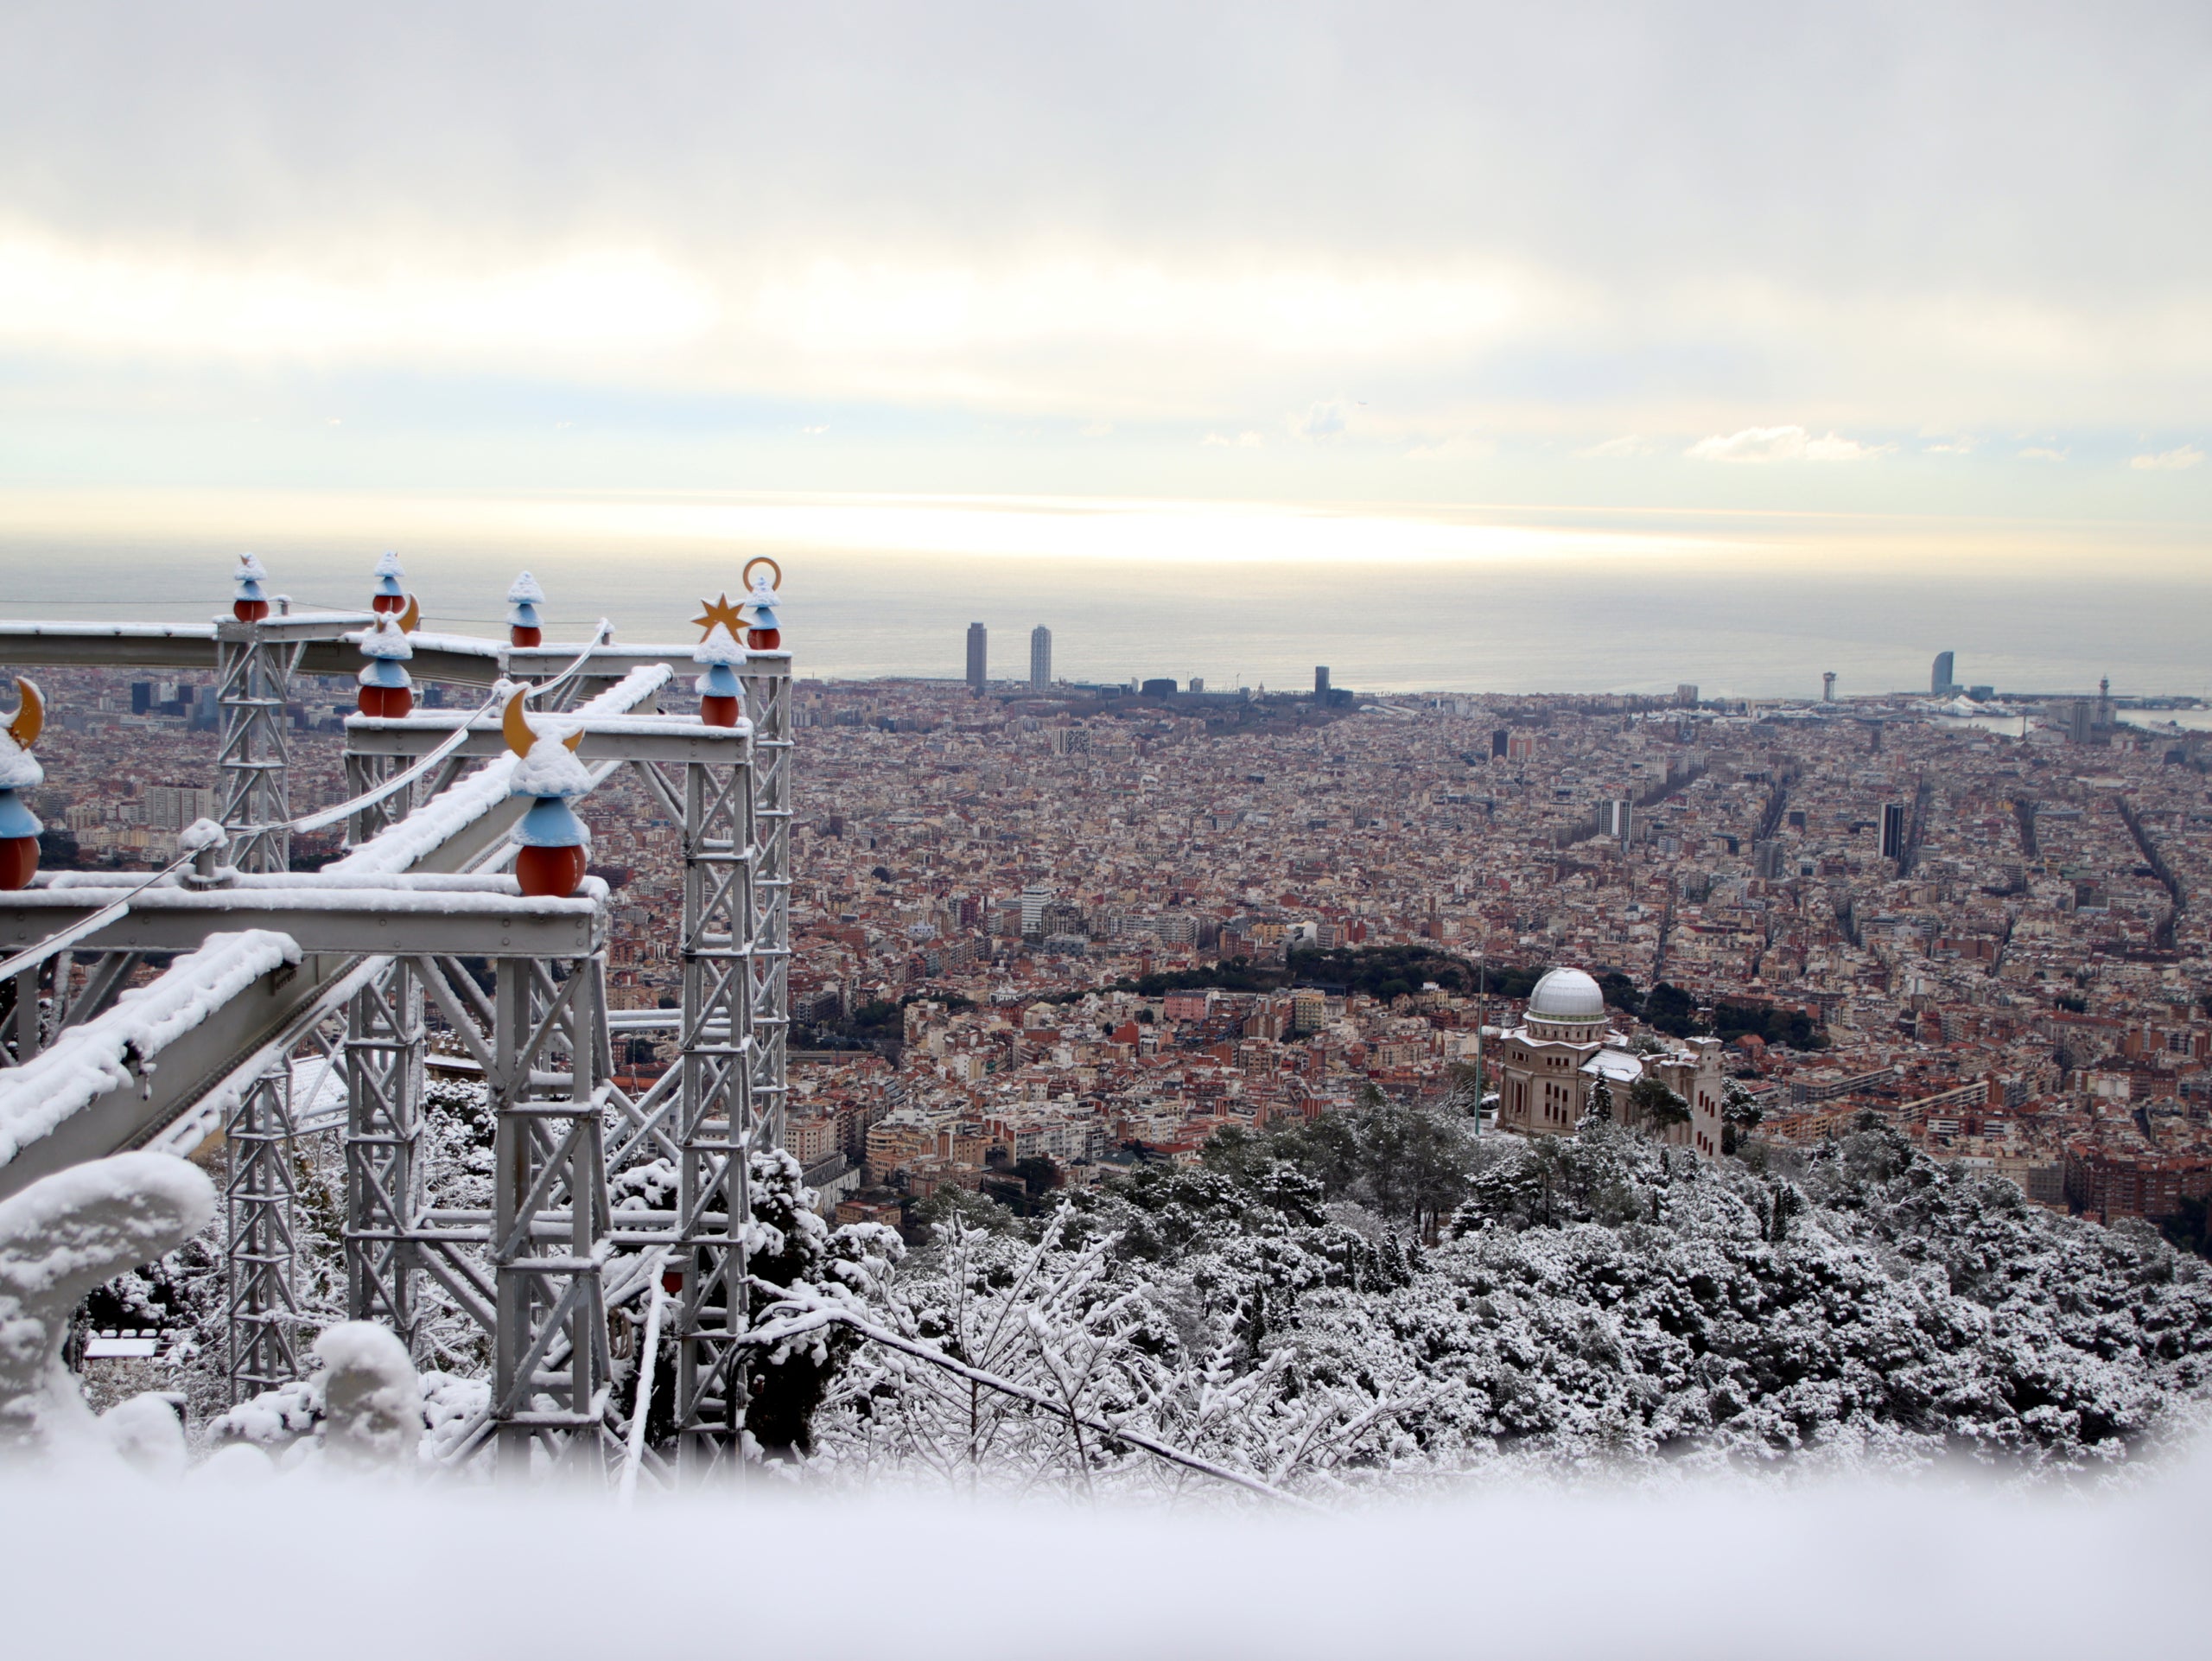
x,y
1244,441
1324,420
1463,446
1759,444
1503,226
1097,429
1949,444
2173,461
168,307
2042,452
810,432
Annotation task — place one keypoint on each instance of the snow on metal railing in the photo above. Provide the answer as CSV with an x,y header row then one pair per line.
x,y
111,1050
407,841
62,939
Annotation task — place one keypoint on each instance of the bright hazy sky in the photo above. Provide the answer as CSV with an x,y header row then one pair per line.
x,y
1914,260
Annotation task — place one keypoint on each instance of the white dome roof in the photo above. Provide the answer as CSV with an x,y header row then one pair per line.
x,y
1566,994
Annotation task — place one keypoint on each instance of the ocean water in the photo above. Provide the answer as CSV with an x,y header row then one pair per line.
x,y
1736,623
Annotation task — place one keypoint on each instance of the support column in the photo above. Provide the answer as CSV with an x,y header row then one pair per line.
x,y
263,1297
383,1176
363,774
551,1367
251,681
766,677
717,1119
252,757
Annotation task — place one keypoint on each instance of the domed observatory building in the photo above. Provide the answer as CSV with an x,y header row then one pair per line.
x,y
1547,1066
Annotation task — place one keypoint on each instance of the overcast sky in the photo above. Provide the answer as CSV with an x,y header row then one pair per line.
x,y
1919,260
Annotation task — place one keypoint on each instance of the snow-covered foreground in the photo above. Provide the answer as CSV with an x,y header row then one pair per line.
x,y
227,1562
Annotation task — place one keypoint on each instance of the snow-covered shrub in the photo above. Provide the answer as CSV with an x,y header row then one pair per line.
x,y
1601,1299
60,1238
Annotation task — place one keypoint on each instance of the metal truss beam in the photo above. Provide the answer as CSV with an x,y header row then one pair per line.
x,y
191,1063
453,660
670,739
383,918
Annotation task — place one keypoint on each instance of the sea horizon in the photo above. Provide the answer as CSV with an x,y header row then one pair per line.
x,y
1403,599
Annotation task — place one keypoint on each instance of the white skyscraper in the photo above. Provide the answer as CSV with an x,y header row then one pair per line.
x,y
1040,657
1035,899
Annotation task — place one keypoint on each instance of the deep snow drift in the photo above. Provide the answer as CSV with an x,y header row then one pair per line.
x,y
370,1568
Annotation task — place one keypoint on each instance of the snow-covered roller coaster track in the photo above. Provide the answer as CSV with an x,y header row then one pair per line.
x,y
122,1076
276,957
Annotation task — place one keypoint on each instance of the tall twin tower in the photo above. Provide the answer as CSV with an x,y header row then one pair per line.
x,y
1040,657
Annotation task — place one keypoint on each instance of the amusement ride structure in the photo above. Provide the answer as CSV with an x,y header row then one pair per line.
x,y
356,963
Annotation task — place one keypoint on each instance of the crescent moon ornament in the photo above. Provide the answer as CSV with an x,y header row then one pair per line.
x,y
30,714
411,618
514,727
746,575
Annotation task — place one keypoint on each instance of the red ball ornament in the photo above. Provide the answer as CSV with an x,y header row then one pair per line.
x,y
518,635
390,702
764,639
392,602
249,611
549,873
18,860
717,711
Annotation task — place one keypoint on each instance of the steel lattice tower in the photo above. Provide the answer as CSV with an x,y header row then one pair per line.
x,y
551,1365
717,1122
263,1304
383,1176
251,693
767,681
251,679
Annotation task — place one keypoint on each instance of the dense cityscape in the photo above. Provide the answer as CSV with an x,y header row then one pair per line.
x,y
1046,931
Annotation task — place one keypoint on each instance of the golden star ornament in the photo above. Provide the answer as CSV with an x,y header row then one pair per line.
x,y
719,610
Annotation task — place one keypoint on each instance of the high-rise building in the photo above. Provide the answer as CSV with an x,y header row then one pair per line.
x,y
1827,686
1941,682
978,657
1321,681
1040,657
1035,899
1197,684
1497,738
1686,695
1617,818
1893,830
172,807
